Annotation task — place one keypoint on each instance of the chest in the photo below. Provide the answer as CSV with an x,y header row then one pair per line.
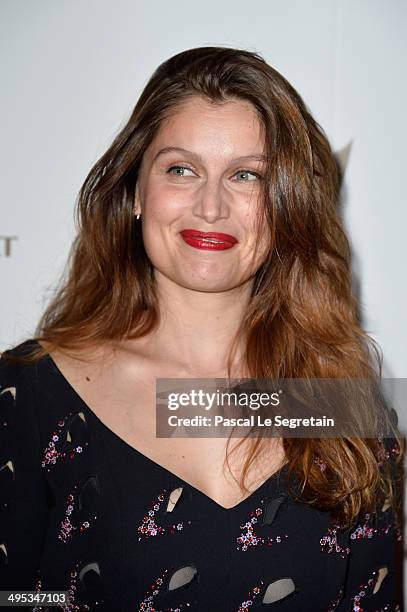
x,y
125,402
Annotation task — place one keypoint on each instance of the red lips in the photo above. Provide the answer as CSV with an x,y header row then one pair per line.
x,y
213,241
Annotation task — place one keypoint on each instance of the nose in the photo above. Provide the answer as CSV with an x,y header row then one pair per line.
x,y
211,202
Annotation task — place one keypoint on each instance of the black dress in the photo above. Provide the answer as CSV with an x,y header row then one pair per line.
x,y
83,511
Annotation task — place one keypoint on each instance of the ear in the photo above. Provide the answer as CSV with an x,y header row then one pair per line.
x,y
137,202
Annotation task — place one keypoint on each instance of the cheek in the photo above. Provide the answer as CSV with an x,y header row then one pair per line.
x,y
161,210
251,207
162,205
250,221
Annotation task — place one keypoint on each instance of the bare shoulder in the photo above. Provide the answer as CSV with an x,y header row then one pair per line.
x,y
82,360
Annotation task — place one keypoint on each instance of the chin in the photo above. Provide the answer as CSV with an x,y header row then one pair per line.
x,y
206,285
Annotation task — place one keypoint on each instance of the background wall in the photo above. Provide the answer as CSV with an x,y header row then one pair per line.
x,y
73,69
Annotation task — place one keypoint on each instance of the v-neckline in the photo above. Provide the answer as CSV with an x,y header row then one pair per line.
x,y
266,484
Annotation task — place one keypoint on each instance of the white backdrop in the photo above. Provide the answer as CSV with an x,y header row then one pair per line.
x,y
73,69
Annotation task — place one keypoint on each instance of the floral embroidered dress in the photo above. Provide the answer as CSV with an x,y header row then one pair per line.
x,y
82,511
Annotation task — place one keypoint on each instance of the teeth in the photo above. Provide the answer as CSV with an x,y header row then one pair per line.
x,y
212,240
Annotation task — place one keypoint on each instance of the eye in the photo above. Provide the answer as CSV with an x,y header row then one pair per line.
x,y
180,171
248,172
177,168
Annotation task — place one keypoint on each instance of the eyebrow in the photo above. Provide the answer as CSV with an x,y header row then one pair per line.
x,y
255,157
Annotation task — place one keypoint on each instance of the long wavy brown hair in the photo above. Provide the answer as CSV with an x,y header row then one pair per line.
x,y
302,317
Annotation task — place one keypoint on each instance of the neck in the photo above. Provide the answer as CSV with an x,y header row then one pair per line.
x,y
197,328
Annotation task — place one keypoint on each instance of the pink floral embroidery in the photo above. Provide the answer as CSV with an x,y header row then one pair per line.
x,y
67,529
387,453
252,595
248,537
329,543
51,453
320,462
150,528
364,530
364,589
70,605
147,605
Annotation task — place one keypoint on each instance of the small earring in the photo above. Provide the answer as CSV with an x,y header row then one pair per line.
x,y
138,216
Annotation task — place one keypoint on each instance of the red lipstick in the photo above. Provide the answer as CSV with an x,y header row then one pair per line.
x,y
210,241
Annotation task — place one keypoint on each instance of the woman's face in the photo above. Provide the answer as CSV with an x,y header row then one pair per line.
x,y
203,172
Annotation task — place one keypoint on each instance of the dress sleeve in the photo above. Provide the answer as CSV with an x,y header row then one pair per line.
x,y
374,577
24,496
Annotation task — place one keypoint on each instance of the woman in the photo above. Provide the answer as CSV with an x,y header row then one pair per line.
x,y
209,245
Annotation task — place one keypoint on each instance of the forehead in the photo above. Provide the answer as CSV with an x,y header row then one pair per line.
x,y
231,127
